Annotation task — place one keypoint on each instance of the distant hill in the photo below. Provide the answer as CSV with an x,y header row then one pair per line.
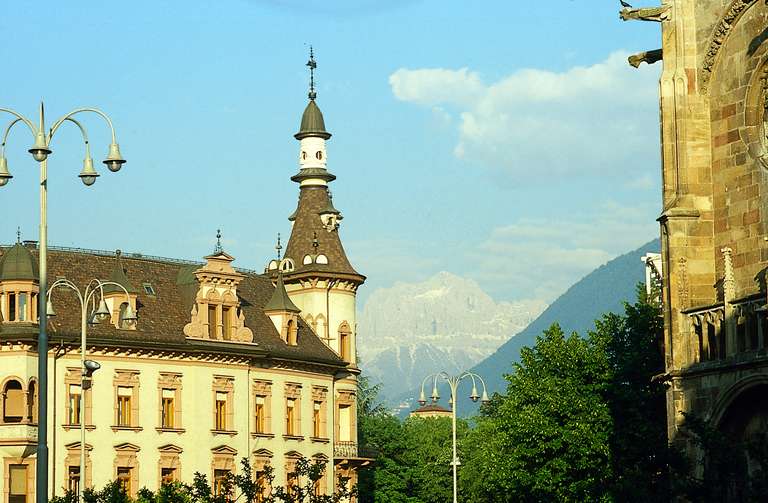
x,y
603,290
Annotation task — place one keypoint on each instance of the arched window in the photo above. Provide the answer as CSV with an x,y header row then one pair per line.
x,y
32,402
322,259
13,402
344,341
122,323
292,338
307,259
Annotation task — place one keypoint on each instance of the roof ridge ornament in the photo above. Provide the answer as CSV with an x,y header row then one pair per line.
x,y
218,248
312,64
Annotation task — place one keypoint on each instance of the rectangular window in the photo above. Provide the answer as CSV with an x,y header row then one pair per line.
x,y
17,475
219,481
75,403
167,475
11,307
124,394
22,307
221,411
259,426
345,423
73,479
227,322
290,416
212,322
292,480
167,419
124,478
317,428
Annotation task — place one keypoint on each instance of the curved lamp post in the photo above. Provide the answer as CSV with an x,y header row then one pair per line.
x,y
40,150
98,314
453,382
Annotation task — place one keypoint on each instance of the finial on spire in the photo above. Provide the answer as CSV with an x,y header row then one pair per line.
x,y
278,247
315,242
218,248
312,64
18,235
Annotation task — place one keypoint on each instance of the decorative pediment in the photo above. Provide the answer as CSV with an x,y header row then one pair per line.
x,y
127,447
170,449
293,455
263,453
75,446
224,449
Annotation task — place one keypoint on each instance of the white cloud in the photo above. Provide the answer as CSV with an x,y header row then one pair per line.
x,y
541,258
599,120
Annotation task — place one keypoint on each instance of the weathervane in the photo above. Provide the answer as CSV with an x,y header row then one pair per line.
x,y
218,248
18,235
312,64
278,247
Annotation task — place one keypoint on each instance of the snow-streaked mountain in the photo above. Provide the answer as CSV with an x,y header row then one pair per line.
x,y
444,323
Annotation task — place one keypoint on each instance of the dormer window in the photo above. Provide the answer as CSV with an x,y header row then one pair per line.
x,y
321,259
287,265
216,313
149,289
307,259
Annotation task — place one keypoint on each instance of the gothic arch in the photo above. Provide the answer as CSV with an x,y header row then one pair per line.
x,y
731,395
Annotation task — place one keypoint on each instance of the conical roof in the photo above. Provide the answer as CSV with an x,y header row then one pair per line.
x,y
280,300
312,123
119,276
17,263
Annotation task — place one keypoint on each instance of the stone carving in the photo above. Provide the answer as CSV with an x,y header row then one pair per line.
x,y
655,14
722,30
649,57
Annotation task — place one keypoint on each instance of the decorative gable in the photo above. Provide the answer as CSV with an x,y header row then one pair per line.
x,y
216,313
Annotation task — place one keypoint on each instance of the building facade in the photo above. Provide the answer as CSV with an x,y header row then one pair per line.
x,y
715,198
222,363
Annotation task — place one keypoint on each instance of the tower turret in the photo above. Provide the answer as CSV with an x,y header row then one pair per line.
x,y
317,274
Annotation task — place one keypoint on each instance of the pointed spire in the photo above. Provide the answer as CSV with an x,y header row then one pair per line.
x,y
312,64
280,300
218,248
118,275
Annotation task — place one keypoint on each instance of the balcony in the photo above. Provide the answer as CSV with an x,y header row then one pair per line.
x,y
350,450
18,439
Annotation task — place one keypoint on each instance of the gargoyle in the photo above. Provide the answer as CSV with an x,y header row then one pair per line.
x,y
649,57
657,14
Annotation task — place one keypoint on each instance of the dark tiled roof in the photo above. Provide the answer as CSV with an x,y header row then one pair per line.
x,y
431,408
162,316
312,200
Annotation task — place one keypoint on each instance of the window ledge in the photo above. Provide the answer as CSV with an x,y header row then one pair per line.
x,y
88,427
126,428
170,430
294,437
320,440
262,435
231,433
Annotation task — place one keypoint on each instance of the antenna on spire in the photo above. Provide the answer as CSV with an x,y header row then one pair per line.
x,y
218,249
278,247
18,235
312,64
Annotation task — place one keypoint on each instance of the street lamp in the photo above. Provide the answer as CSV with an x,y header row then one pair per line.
x,y
40,151
453,382
87,300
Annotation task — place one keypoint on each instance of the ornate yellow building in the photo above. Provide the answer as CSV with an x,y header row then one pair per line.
x,y
222,364
715,200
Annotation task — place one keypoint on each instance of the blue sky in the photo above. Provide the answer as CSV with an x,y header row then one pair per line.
x,y
505,141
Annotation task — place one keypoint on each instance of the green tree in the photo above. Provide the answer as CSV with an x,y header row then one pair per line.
x,y
547,439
